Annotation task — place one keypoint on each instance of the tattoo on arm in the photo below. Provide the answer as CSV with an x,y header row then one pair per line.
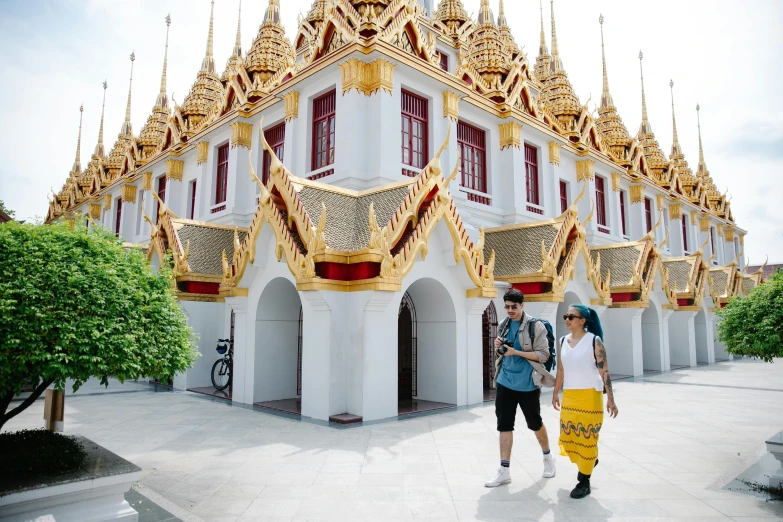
x,y
608,384
602,363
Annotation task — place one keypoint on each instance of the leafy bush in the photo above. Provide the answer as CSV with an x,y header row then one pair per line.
x,y
751,324
30,453
75,304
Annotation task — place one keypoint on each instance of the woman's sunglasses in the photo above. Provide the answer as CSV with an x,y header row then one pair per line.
x,y
571,317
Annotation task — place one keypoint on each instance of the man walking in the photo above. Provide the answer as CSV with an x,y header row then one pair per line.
x,y
519,373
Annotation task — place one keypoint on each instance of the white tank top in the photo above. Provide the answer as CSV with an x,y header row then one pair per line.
x,y
579,365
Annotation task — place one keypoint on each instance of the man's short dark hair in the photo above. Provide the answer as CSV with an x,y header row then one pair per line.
x,y
514,296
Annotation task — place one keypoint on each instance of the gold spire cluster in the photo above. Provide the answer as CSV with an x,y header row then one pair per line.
x,y
678,165
544,60
153,131
487,52
271,51
609,123
656,161
114,163
452,14
558,95
235,61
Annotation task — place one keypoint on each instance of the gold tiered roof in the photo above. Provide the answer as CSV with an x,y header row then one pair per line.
x,y
490,56
235,61
679,166
609,123
558,96
271,50
543,60
125,139
153,131
656,160
452,14
713,199
207,91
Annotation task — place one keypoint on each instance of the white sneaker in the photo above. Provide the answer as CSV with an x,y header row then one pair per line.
x,y
503,477
550,467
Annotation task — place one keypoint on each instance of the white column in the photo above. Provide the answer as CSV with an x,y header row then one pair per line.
x,y
242,385
379,369
637,226
623,340
613,204
682,339
551,184
351,135
383,141
473,378
316,355
664,337
241,188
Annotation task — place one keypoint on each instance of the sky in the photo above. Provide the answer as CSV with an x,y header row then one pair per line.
x,y
725,55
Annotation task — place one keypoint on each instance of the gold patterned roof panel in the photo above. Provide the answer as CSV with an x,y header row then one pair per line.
x,y
680,272
205,245
622,261
722,279
204,96
518,251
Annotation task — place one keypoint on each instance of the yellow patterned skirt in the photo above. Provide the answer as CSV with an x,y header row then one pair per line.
x,y
581,416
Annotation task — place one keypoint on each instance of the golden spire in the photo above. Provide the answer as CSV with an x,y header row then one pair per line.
x,y
126,129
485,14
702,164
543,58
273,12
77,164
556,63
652,151
676,149
208,65
238,44
606,98
99,149
271,51
542,49
163,100
502,22
645,127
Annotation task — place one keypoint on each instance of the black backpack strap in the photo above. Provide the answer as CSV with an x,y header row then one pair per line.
x,y
531,330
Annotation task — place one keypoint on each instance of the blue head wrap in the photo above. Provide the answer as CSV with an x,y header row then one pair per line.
x,y
592,324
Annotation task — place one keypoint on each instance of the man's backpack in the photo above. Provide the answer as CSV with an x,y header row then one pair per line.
x,y
551,363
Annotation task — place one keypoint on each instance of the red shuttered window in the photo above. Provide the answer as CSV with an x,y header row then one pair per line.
x,y
324,110
275,136
531,174
684,234
221,187
472,147
563,196
415,112
161,195
192,198
118,217
622,212
712,244
444,60
648,213
600,200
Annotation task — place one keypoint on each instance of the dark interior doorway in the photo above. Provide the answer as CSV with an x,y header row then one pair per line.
x,y
406,350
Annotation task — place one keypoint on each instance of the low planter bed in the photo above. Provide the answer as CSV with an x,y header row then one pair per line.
x,y
92,491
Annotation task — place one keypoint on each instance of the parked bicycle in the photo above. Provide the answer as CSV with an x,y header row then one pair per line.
x,y
221,370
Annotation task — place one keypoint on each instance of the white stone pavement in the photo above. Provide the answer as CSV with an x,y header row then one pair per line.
x,y
679,439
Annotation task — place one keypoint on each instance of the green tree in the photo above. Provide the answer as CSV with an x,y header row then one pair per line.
x,y
75,304
751,325
7,210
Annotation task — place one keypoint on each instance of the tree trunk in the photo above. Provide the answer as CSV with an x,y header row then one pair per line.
x,y
25,404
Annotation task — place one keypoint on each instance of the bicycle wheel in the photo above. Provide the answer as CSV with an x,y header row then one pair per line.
x,y
221,377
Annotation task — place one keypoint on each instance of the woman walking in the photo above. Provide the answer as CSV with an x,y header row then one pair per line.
x,y
583,374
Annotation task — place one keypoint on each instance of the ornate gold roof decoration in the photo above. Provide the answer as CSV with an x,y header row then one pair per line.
x,y
487,52
205,94
711,197
271,52
94,174
505,32
119,153
452,16
152,133
653,155
558,96
688,279
76,170
679,168
235,61
367,78
543,60
609,123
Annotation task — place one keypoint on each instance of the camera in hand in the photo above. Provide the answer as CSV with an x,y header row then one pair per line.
x,y
504,348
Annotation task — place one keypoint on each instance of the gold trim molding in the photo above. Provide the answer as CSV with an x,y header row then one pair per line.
x,y
554,153
704,223
202,154
146,181
107,201
585,170
659,200
291,105
720,229
742,239
94,211
729,235
241,134
637,193
129,193
675,211
174,169
367,78
451,105
693,218
616,176
510,135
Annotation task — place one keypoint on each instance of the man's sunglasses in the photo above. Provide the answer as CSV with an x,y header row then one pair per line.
x,y
571,317
512,307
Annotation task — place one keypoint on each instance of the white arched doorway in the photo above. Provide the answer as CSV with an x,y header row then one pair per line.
x,y
426,348
489,331
652,351
277,377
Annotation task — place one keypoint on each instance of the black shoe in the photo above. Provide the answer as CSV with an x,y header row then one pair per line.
x,y
581,490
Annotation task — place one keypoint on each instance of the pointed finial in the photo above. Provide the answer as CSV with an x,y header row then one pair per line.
x,y
542,49
645,119
502,22
702,164
127,130
273,12
555,51
674,120
99,150
77,164
485,14
162,100
238,44
606,98
208,65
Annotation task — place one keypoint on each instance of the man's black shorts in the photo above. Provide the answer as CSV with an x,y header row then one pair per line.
x,y
506,402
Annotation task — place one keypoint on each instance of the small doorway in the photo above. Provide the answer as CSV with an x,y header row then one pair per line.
x,y
489,331
406,350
